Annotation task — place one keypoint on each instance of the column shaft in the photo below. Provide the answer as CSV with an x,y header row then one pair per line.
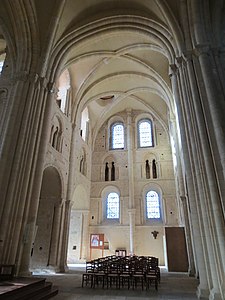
x,y
188,175
85,235
131,180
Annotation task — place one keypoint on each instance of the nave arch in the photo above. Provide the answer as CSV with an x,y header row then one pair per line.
x,y
47,234
188,37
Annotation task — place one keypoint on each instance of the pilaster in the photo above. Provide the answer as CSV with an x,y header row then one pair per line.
x,y
85,234
131,213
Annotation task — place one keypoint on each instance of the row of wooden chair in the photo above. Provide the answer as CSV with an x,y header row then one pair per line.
x,y
122,271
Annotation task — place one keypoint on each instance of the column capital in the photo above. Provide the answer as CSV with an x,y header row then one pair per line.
x,y
201,49
131,211
183,198
179,61
129,116
83,211
172,70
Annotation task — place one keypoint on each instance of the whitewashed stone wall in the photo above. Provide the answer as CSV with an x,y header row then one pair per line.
x,y
118,234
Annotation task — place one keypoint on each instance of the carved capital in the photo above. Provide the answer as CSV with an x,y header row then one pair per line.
x,y
51,87
172,70
201,50
131,211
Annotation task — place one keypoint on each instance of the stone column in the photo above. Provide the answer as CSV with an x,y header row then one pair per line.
x,y
131,210
62,259
191,257
40,142
131,213
209,190
15,163
203,289
214,101
130,159
55,236
84,234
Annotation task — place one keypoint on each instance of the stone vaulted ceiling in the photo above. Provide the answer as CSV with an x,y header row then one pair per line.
x,y
120,50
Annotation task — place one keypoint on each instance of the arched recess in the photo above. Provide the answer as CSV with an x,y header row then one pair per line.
x,y
150,160
110,170
84,124
78,232
44,252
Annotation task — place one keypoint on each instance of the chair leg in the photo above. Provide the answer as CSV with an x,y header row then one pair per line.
x,y
156,284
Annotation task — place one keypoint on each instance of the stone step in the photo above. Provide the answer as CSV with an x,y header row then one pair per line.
x,y
27,289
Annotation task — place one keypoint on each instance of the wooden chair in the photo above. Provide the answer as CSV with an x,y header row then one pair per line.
x,y
125,274
113,274
151,276
6,272
99,278
154,262
138,275
88,276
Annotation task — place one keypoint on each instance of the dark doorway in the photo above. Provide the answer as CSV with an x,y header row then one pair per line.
x,y
176,249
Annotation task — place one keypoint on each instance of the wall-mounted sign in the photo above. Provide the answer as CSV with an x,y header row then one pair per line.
x,y
96,242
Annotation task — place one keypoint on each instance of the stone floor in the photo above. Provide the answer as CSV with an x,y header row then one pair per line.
x,y
173,286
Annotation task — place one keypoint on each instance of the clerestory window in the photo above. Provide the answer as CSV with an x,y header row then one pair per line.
x,y
117,136
145,135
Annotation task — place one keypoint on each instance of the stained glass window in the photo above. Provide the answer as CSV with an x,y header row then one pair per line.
x,y
145,133
118,136
112,206
153,205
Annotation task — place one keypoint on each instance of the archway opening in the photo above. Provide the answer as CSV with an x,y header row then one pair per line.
x,y
45,241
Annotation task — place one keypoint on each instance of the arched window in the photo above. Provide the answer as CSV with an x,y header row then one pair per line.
x,y
145,136
153,209
63,91
112,206
117,136
84,127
